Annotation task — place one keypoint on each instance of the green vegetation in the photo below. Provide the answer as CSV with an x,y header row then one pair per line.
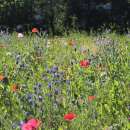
x,y
44,78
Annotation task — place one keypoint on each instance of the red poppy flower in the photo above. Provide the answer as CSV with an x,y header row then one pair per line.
x,y
35,30
14,88
69,116
84,63
91,98
1,77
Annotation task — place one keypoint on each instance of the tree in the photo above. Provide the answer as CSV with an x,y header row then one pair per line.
x,y
55,13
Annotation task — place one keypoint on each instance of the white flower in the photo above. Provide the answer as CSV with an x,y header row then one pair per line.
x,y
20,35
65,43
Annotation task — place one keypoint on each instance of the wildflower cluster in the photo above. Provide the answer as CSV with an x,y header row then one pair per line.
x,y
69,86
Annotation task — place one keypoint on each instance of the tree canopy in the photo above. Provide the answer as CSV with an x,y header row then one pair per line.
x,y
59,15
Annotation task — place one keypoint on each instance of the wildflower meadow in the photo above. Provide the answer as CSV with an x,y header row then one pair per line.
x,y
71,82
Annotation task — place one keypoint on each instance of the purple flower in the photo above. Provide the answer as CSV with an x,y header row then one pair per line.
x,y
21,123
57,91
30,98
54,69
49,85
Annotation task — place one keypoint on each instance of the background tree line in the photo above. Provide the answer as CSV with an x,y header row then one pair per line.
x,y
57,16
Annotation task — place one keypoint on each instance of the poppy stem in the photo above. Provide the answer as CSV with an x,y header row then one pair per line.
x,y
68,125
38,34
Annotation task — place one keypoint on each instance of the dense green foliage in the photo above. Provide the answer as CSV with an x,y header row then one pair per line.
x,y
52,83
51,13
60,15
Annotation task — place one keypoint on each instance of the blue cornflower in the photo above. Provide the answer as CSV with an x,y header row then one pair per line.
x,y
54,69
30,98
49,85
57,91
21,123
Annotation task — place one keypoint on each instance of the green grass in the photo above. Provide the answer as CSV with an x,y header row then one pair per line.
x,y
107,78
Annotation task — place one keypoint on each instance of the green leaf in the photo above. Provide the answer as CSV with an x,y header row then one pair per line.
x,y
60,128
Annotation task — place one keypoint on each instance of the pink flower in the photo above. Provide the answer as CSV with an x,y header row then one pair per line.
x,y
26,126
31,124
35,123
